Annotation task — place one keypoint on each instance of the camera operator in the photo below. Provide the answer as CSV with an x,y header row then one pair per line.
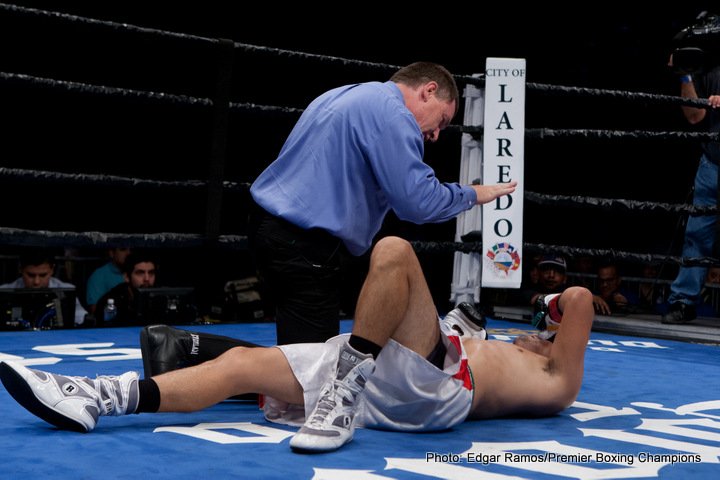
x,y
704,82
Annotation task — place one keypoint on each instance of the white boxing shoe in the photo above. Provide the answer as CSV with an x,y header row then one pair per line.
x,y
332,423
70,403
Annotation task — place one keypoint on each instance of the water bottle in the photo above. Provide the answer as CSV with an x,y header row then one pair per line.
x,y
110,311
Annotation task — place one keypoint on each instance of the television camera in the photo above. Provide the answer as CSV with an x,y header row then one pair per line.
x,y
697,47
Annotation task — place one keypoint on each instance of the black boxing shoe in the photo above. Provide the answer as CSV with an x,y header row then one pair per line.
x,y
472,314
679,314
165,348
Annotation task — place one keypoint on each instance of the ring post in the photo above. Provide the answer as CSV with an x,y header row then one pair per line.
x,y
466,268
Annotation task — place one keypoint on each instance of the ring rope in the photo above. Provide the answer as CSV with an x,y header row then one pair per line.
x,y
621,255
474,130
577,201
544,133
477,247
86,88
23,237
471,79
618,94
184,36
19,174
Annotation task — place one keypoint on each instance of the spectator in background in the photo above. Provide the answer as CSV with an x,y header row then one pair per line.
x,y
104,278
37,268
610,296
139,271
651,296
552,271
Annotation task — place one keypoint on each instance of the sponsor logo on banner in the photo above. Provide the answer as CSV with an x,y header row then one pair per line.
x,y
504,258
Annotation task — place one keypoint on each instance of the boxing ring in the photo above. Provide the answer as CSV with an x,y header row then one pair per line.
x,y
630,421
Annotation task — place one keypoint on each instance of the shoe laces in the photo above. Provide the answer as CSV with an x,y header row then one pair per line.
x,y
335,392
108,399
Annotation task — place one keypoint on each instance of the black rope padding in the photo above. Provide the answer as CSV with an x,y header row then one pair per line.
x,y
86,88
474,130
22,237
197,38
254,107
619,94
19,174
477,247
620,255
543,133
612,203
79,87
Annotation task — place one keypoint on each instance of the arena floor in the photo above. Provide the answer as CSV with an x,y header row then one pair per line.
x,y
649,408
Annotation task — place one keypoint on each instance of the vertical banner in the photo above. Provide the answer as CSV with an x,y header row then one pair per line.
x,y
503,162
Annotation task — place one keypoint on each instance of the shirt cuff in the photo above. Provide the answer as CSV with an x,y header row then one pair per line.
x,y
469,195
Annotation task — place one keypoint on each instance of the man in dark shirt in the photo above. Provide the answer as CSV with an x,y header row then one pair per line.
x,y
139,271
700,230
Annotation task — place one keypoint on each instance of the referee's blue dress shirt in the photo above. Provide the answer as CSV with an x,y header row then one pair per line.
x,y
355,153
